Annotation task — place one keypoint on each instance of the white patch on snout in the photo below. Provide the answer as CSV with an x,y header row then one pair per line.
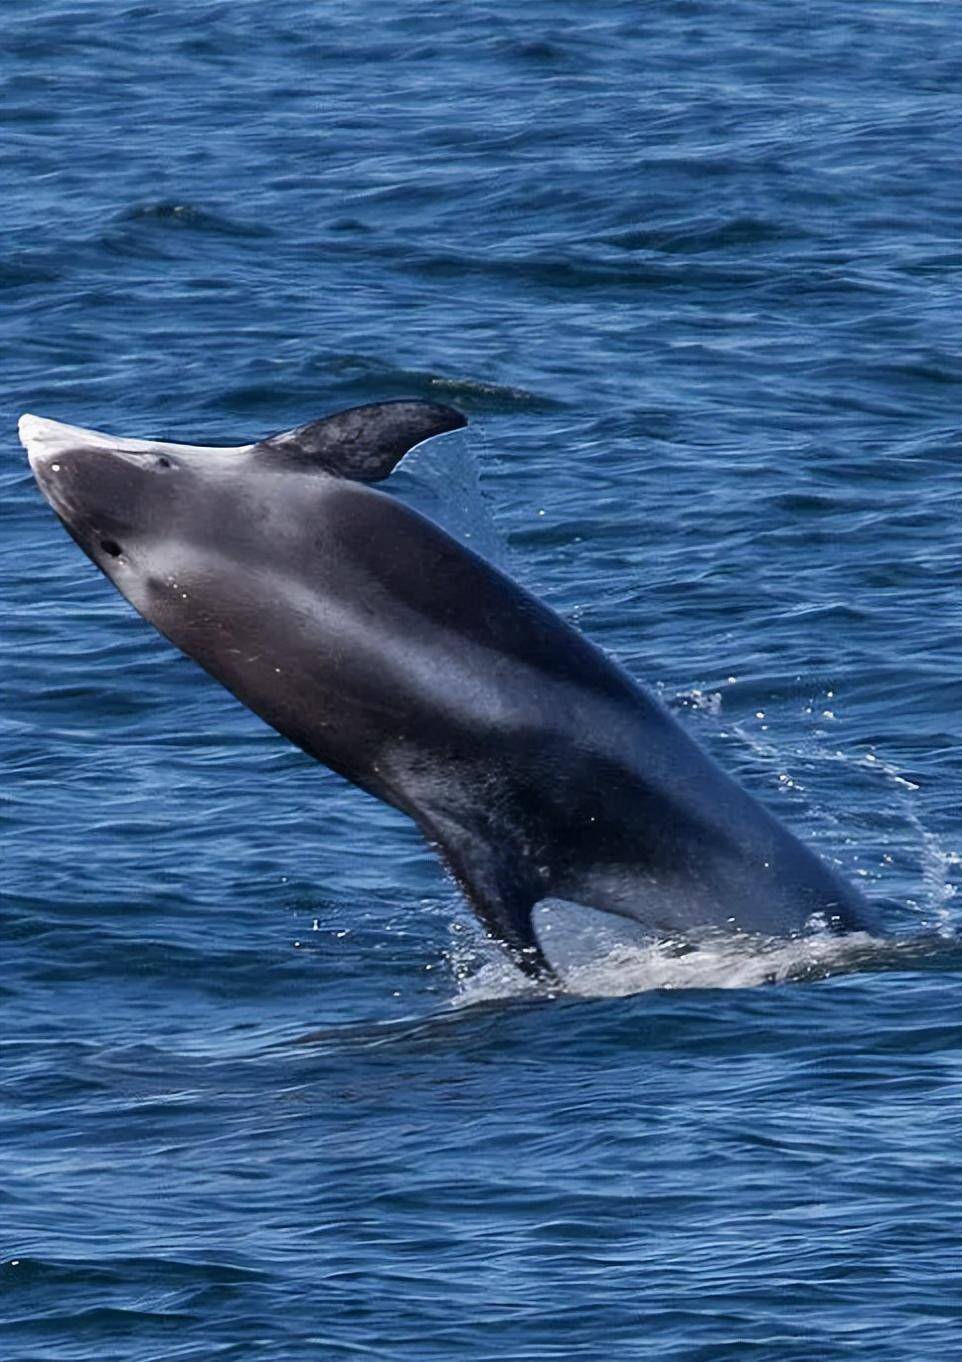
x,y
44,440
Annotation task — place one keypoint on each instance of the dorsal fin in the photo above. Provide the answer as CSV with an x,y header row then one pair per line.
x,y
364,443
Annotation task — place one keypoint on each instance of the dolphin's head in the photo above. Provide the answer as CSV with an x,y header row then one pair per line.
x,y
118,499
197,537
116,496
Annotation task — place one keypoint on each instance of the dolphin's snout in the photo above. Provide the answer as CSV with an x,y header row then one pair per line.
x,y
85,479
30,429
41,438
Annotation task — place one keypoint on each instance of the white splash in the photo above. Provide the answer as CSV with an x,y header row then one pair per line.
x,y
718,961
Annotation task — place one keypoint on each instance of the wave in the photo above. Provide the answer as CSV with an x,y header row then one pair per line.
x,y
188,216
719,960
715,961
368,373
694,235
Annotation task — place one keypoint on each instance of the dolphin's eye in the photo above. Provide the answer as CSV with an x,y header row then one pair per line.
x,y
163,461
112,547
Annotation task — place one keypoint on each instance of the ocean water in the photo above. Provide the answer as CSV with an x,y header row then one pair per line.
x,y
690,269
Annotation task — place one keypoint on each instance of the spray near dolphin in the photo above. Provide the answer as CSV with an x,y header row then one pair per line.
x,y
388,651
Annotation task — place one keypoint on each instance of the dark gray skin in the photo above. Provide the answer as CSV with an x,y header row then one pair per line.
x,y
394,655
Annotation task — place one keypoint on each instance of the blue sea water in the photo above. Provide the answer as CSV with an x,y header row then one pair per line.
x,y
691,270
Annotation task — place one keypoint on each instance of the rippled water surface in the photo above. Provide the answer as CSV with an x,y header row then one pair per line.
x,y
689,270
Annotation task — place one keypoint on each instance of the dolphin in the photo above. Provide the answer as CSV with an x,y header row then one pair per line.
x,y
360,630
